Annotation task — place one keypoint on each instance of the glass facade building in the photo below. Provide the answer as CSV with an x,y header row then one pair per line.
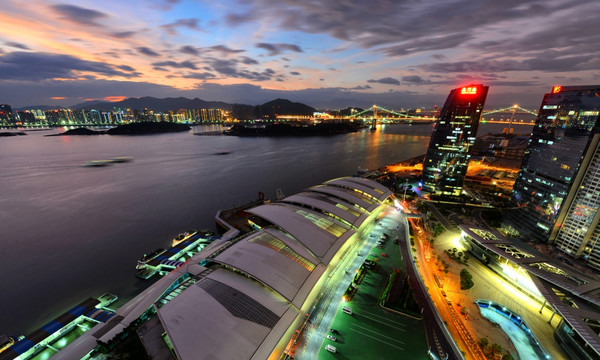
x,y
454,134
560,152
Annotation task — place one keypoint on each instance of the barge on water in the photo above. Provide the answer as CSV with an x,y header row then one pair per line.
x,y
184,246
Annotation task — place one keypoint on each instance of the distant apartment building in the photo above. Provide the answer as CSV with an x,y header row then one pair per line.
x,y
505,146
26,117
7,117
557,190
449,150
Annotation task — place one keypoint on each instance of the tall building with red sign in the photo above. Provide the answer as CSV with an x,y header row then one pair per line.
x,y
450,145
558,186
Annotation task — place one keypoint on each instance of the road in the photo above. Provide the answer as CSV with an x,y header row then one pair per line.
x,y
330,298
439,344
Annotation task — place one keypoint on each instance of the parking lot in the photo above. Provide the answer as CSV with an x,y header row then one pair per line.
x,y
372,332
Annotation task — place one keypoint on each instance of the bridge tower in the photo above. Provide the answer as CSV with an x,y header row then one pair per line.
x,y
374,123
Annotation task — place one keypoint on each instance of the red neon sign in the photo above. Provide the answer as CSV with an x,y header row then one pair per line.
x,y
471,90
556,89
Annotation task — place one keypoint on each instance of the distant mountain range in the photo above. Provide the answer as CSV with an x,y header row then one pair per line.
x,y
269,109
156,104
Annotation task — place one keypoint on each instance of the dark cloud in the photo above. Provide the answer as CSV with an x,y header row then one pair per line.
x,y
247,60
125,67
147,51
420,45
190,50
413,79
79,15
399,28
361,87
178,65
229,68
225,50
16,45
294,73
546,64
439,56
386,80
123,34
278,48
240,18
200,76
41,66
190,23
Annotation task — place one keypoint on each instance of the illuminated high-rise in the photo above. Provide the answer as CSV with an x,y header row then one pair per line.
x,y
450,145
557,189
7,117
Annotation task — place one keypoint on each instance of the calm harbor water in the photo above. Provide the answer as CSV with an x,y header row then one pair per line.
x,y
69,232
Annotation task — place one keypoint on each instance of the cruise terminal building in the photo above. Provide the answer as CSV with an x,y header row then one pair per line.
x,y
247,295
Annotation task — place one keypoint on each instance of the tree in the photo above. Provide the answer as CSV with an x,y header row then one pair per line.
x,y
508,356
483,342
496,348
438,229
466,281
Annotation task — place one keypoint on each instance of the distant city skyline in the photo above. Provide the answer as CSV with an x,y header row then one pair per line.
x,y
326,54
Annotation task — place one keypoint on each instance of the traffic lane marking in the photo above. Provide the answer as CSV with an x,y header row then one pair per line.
x,y
375,338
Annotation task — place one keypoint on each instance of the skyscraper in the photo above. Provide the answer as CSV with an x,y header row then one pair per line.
x,y
557,189
449,148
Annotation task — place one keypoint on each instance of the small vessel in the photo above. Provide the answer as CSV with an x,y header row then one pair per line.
x,y
96,163
162,261
121,159
106,299
183,236
143,261
222,152
6,342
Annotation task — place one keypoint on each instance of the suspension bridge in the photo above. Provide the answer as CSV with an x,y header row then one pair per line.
x,y
380,115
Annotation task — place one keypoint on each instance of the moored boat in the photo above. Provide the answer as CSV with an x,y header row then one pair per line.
x,y
143,261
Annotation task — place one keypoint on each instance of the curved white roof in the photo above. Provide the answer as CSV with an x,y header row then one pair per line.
x,y
309,199
223,316
370,187
317,239
345,194
284,271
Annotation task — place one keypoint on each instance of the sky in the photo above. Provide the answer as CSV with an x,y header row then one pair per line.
x,y
327,54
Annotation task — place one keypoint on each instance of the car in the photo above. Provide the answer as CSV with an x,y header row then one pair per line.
x,y
331,337
334,331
